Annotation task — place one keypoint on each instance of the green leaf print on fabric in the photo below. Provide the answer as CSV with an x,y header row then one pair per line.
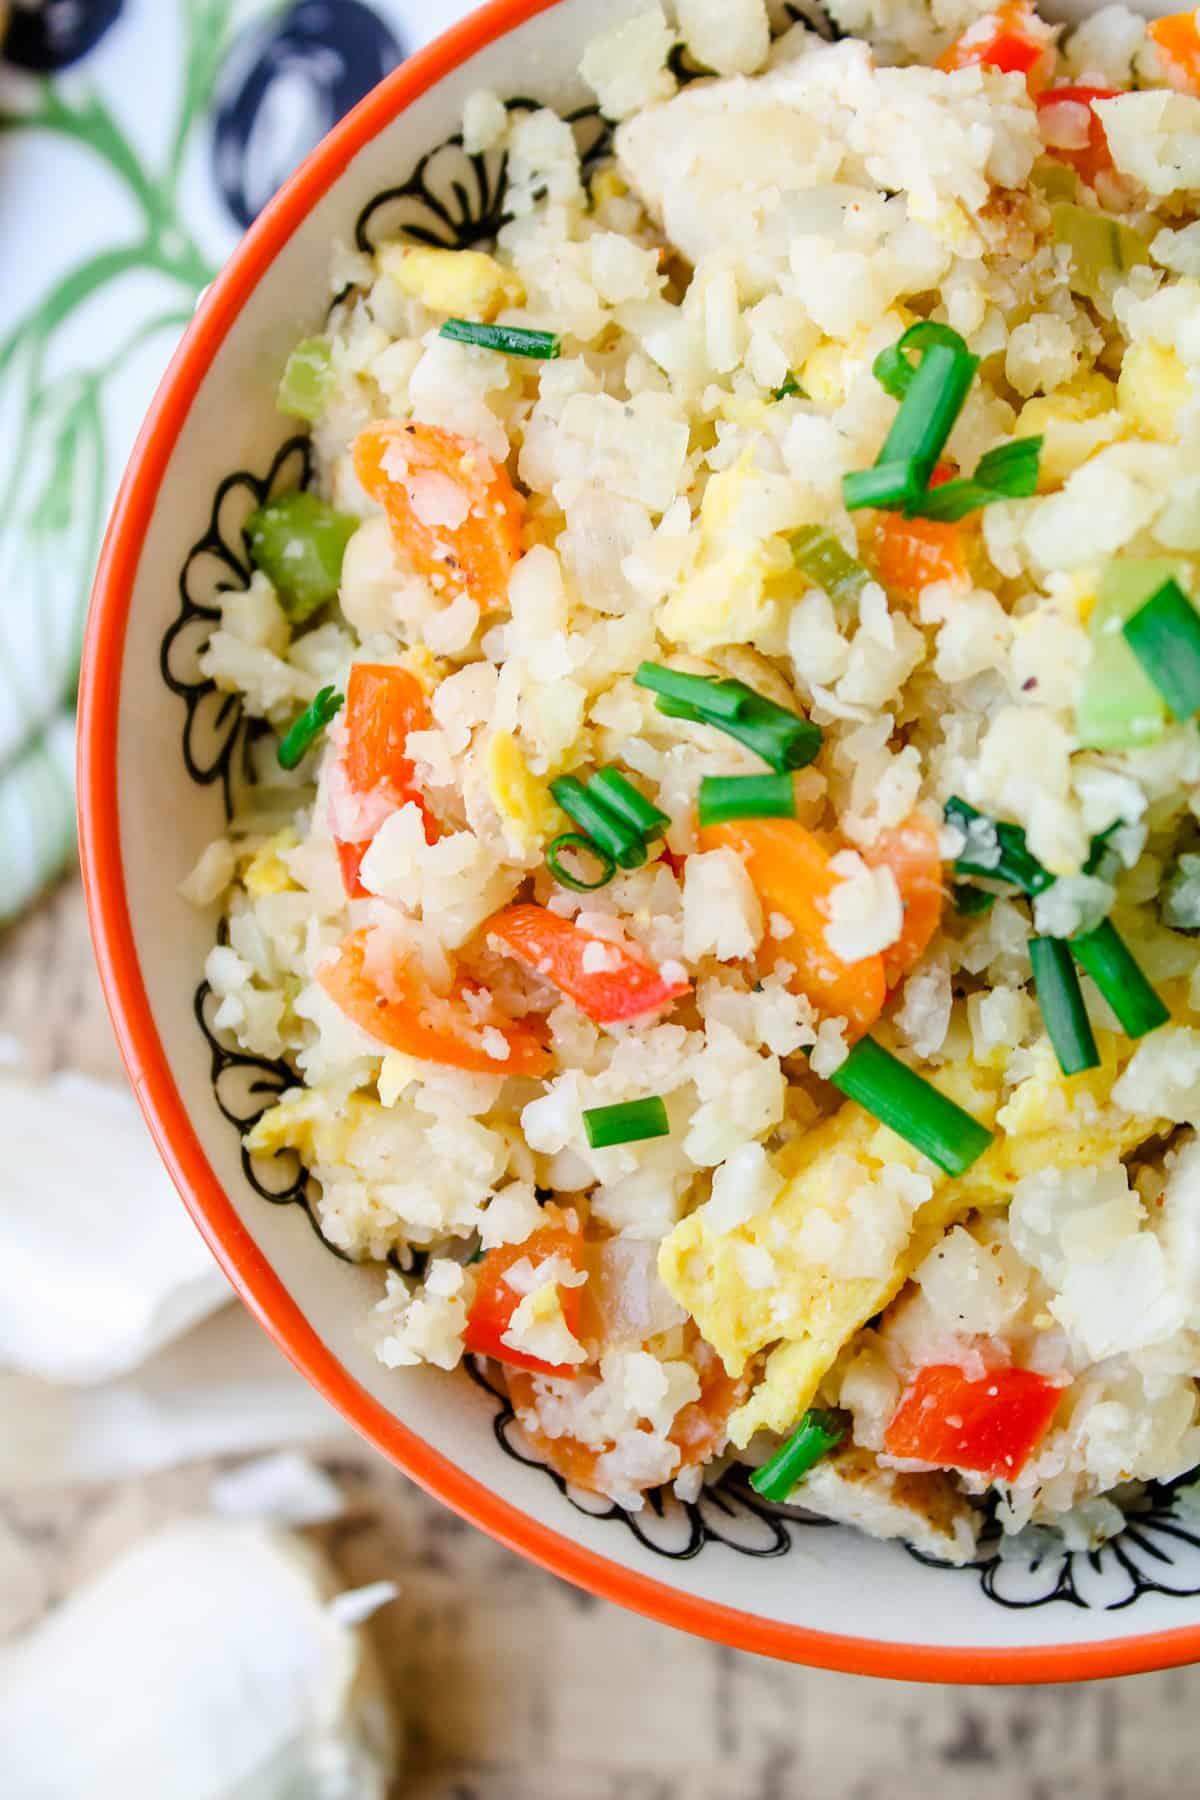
x,y
56,472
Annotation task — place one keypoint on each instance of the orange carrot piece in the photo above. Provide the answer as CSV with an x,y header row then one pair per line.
x,y
452,508
432,1027
1178,44
910,851
791,874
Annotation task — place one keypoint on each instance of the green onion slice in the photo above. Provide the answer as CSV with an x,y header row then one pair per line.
x,y
819,555
787,388
1106,957
783,739
1060,998
1099,245
575,840
623,799
1164,635
911,1107
711,698
971,901
725,797
608,830
816,1434
890,486
994,849
894,369
626,1123
509,340
1010,472
303,732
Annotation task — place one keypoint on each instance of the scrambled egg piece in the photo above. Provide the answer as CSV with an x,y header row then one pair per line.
x,y
755,1286
463,283
723,600
1074,422
266,872
317,1128
523,802
1153,386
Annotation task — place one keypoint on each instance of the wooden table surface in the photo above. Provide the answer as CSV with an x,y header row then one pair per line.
x,y
514,1686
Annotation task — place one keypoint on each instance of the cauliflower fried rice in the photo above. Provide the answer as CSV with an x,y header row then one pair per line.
x,y
723,866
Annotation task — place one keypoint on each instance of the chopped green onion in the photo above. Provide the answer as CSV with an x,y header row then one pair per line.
x,y
628,1122
891,486
971,901
710,697
816,1434
299,542
1164,635
608,830
509,340
303,732
574,840
819,555
995,850
912,1107
307,380
746,797
1060,998
1010,472
1103,860
1119,707
895,370
789,387
1104,955
1179,896
1099,246
931,394
621,797
783,739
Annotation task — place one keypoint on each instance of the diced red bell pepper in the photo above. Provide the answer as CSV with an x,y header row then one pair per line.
x,y
495,1302
1012,40
990,1425
383,705
1090,159
607,981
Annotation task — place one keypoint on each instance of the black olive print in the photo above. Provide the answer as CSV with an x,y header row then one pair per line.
x,y
58,32
284,83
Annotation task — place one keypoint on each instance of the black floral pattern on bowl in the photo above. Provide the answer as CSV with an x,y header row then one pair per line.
x,y
457,200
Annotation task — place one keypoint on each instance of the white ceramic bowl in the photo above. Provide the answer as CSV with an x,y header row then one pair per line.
x,y
156,746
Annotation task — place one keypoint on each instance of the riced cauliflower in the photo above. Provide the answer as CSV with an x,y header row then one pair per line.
x,y
720,864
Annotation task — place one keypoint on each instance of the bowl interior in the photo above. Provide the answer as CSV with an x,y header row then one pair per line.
x,y
159,751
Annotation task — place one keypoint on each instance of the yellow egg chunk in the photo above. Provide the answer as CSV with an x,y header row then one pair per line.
x,y
462,283
1074,422
266,872
744,1302
1153,386
523,802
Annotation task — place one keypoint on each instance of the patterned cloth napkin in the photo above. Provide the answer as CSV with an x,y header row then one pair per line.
x,y
137,139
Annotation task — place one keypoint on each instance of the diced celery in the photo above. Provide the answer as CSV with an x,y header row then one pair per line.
x,y
1099,245
307,380
1056,180
1119,706
298,542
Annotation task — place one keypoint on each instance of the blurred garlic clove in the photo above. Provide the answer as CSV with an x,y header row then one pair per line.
x,y
223,1390
208,1663
99,1262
